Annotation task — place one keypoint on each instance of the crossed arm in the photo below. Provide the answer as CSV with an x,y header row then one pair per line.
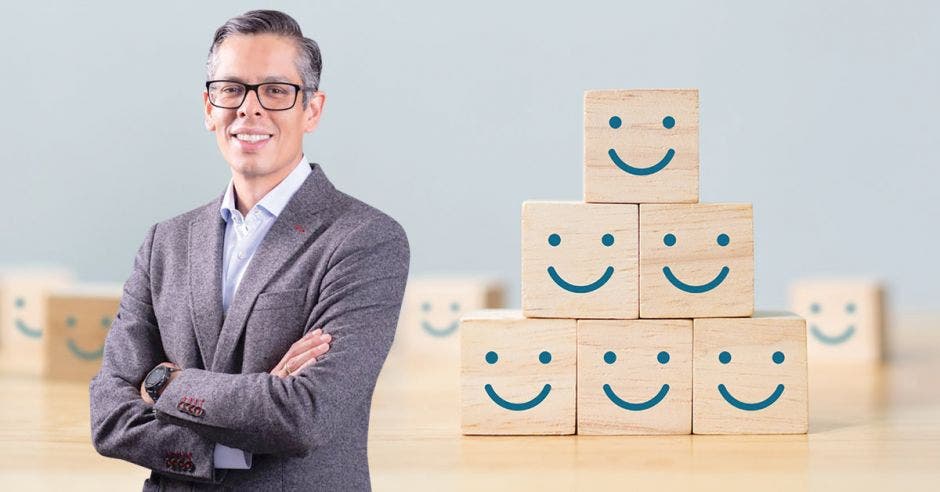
x,y
302,353
359,301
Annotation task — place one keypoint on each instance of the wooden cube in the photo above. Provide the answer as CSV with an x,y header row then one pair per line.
x,y
844,318
696,261
641,146
635,376
78,318
23,316
579,260
517,374
749,375
431,310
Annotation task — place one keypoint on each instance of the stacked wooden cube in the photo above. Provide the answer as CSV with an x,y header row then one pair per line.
x,y
638,303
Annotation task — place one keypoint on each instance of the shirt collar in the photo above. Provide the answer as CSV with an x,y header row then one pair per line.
x,y
276,199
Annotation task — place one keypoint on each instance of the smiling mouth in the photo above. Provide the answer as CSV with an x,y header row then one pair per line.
x,y
508,405
636,407
580,289
440,332
84,354
736,403
641,171
696,289
832,340
251,142
27,330
252,138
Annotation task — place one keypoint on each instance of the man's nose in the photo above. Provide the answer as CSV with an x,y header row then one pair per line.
x,y
251,104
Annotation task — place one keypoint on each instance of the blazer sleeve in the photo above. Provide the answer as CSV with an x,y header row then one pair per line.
x,y
123,425
359,304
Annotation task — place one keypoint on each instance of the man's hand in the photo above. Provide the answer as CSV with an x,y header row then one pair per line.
x,y
302,353
173,375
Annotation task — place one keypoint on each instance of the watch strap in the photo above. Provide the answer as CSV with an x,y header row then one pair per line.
x,y
154,391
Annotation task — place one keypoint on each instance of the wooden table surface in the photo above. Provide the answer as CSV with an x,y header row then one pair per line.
x,y
872,428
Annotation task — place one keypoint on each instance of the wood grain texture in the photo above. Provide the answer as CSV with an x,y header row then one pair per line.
x,y
635,373
696,258
580,258
844,318
23,316
517,375
750,375
641,140
78,319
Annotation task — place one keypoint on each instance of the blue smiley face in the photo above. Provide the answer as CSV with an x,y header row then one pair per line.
x,y
441,331
21,325
94,354
615,123
670,240
663,358
554,240
816,308
491,357
725,358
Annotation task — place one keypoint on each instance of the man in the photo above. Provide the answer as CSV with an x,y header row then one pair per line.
x,y
216,372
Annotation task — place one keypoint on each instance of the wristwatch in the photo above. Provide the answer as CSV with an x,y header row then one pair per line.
x,y
156,379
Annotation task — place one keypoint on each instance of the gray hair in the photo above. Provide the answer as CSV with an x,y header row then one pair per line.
x,y
308,62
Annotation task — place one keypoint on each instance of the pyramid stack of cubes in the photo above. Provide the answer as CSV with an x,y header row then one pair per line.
x,y
637,303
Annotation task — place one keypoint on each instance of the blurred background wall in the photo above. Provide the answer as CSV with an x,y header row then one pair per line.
x,y
448,115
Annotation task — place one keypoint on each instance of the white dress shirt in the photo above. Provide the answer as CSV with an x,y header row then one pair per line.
x,y
243,235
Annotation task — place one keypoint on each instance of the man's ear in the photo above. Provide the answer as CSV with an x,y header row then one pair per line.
x,y
313,111
210,123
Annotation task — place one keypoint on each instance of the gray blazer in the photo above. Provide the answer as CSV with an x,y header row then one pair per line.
x,y
329,261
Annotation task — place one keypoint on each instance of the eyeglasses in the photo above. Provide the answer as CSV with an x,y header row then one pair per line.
x,y
273,96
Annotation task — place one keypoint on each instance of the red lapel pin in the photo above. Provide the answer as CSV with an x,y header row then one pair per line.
x,y
299,228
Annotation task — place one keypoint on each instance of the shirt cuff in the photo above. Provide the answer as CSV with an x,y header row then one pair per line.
x,y
226,457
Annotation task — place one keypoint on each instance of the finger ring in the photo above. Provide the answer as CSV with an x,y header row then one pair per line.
x,y
287,368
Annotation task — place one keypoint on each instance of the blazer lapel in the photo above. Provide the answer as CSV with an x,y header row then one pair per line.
x,y
206,239
297,224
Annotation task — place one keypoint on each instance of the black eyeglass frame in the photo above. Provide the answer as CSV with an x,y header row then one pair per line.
x,y
254,87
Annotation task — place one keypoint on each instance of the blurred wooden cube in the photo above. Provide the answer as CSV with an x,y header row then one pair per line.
x,y
431,311
78,319
844,318
23,316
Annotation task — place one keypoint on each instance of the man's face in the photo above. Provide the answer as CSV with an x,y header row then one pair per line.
x,y
253,59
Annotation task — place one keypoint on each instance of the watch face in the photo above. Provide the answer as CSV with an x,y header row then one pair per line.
x,y
156,376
